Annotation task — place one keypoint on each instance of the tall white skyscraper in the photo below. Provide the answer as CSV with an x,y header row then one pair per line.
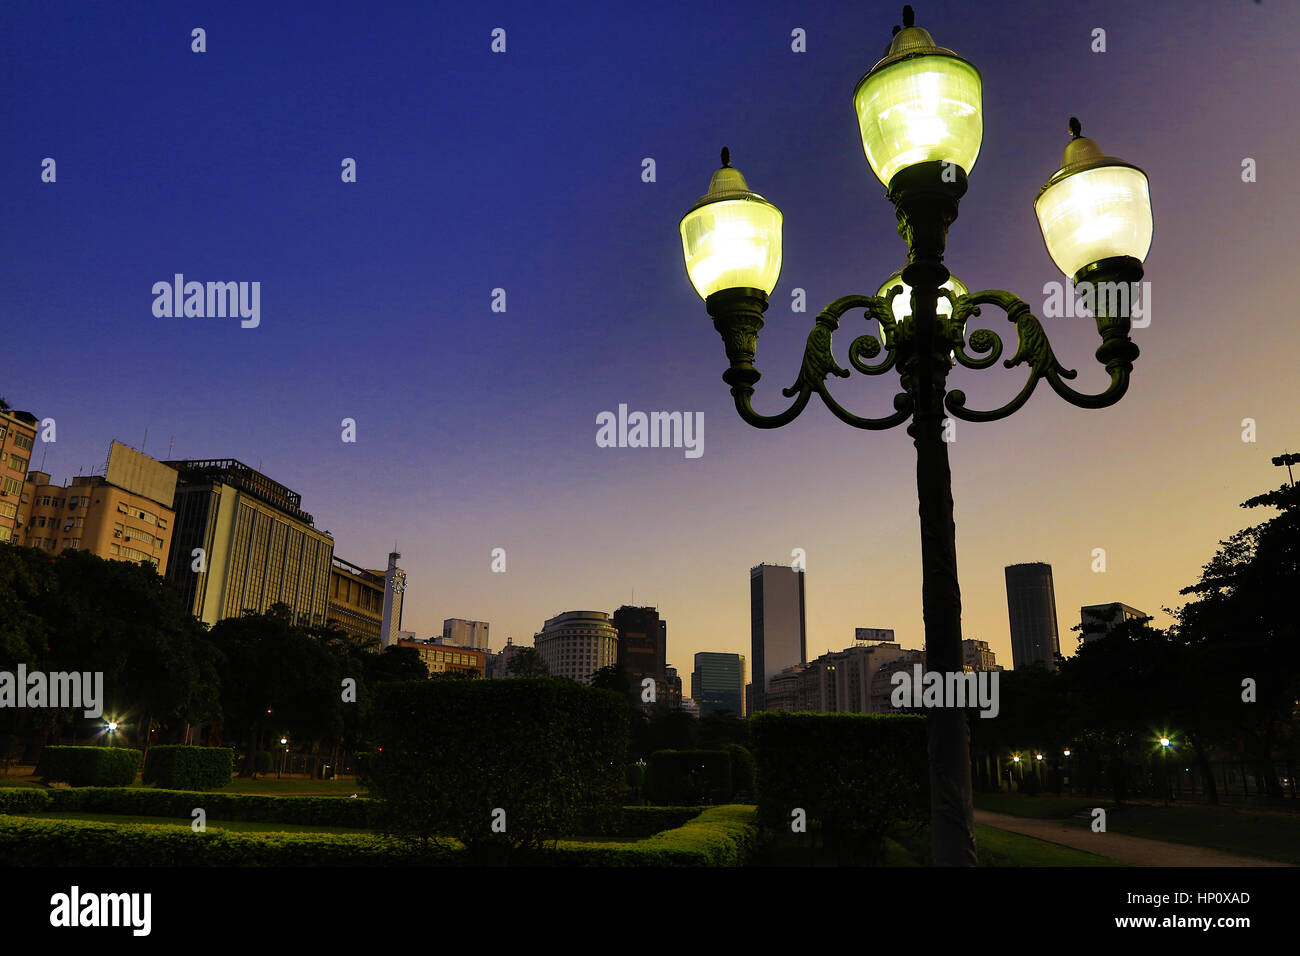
x,y
394,589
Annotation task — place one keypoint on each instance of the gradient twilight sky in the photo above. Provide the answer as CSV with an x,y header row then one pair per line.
x,y
522,171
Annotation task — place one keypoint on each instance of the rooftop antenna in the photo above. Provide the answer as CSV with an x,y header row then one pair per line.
x,y
170,442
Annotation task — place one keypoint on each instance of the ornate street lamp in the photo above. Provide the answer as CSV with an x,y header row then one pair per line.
x,y
919,111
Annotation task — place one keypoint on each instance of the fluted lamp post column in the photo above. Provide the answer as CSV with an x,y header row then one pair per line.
x,y
919,112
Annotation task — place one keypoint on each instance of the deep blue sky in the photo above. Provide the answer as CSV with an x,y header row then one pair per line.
x,y
523,171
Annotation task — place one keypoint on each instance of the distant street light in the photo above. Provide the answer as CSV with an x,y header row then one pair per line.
x,y
919,113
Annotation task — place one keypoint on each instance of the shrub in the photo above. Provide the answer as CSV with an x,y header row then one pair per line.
x,y
361,812
363,762
647,821
177,767
547,752
859,775
262,762
23,800
634,784
719,836
742,773
688,777
83,843
89,766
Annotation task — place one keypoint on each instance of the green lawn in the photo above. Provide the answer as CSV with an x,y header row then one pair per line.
x,y
996,847
1000,848
1043,808
1268,834
911,847
1261,833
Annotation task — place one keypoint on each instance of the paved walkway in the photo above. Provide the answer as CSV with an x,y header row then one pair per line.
x,y
1138,851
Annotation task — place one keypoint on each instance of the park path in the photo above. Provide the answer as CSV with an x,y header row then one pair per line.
x,y
1138,851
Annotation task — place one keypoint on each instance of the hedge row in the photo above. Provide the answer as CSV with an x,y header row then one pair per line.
x,y
720,836
743,773
361,812
454,756
89,766
32,842
647,821
24,800
178,767
859,775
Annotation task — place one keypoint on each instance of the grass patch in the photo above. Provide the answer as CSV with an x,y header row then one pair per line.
x,y
1258,833
1000,848
994,847
1040,808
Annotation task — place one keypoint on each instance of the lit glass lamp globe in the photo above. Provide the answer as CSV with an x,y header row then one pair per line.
x,y
902,306
731,237
1094,207
920,103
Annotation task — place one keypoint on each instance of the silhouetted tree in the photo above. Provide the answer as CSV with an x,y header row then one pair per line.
x,y
528,662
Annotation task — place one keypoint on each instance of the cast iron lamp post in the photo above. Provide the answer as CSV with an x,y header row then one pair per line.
x,y
919,111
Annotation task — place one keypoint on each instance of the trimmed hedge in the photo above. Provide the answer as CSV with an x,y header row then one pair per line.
x,y
25,841
89,766
178,767
860,776
688,777
647,821
362,812
24,800
546,751
743,770
720,836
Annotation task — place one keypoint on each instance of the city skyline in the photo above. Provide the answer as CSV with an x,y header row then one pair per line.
x,y
477,430
1073,639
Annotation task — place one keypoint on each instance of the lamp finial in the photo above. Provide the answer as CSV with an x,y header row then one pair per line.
x,y
726,156
1076,130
